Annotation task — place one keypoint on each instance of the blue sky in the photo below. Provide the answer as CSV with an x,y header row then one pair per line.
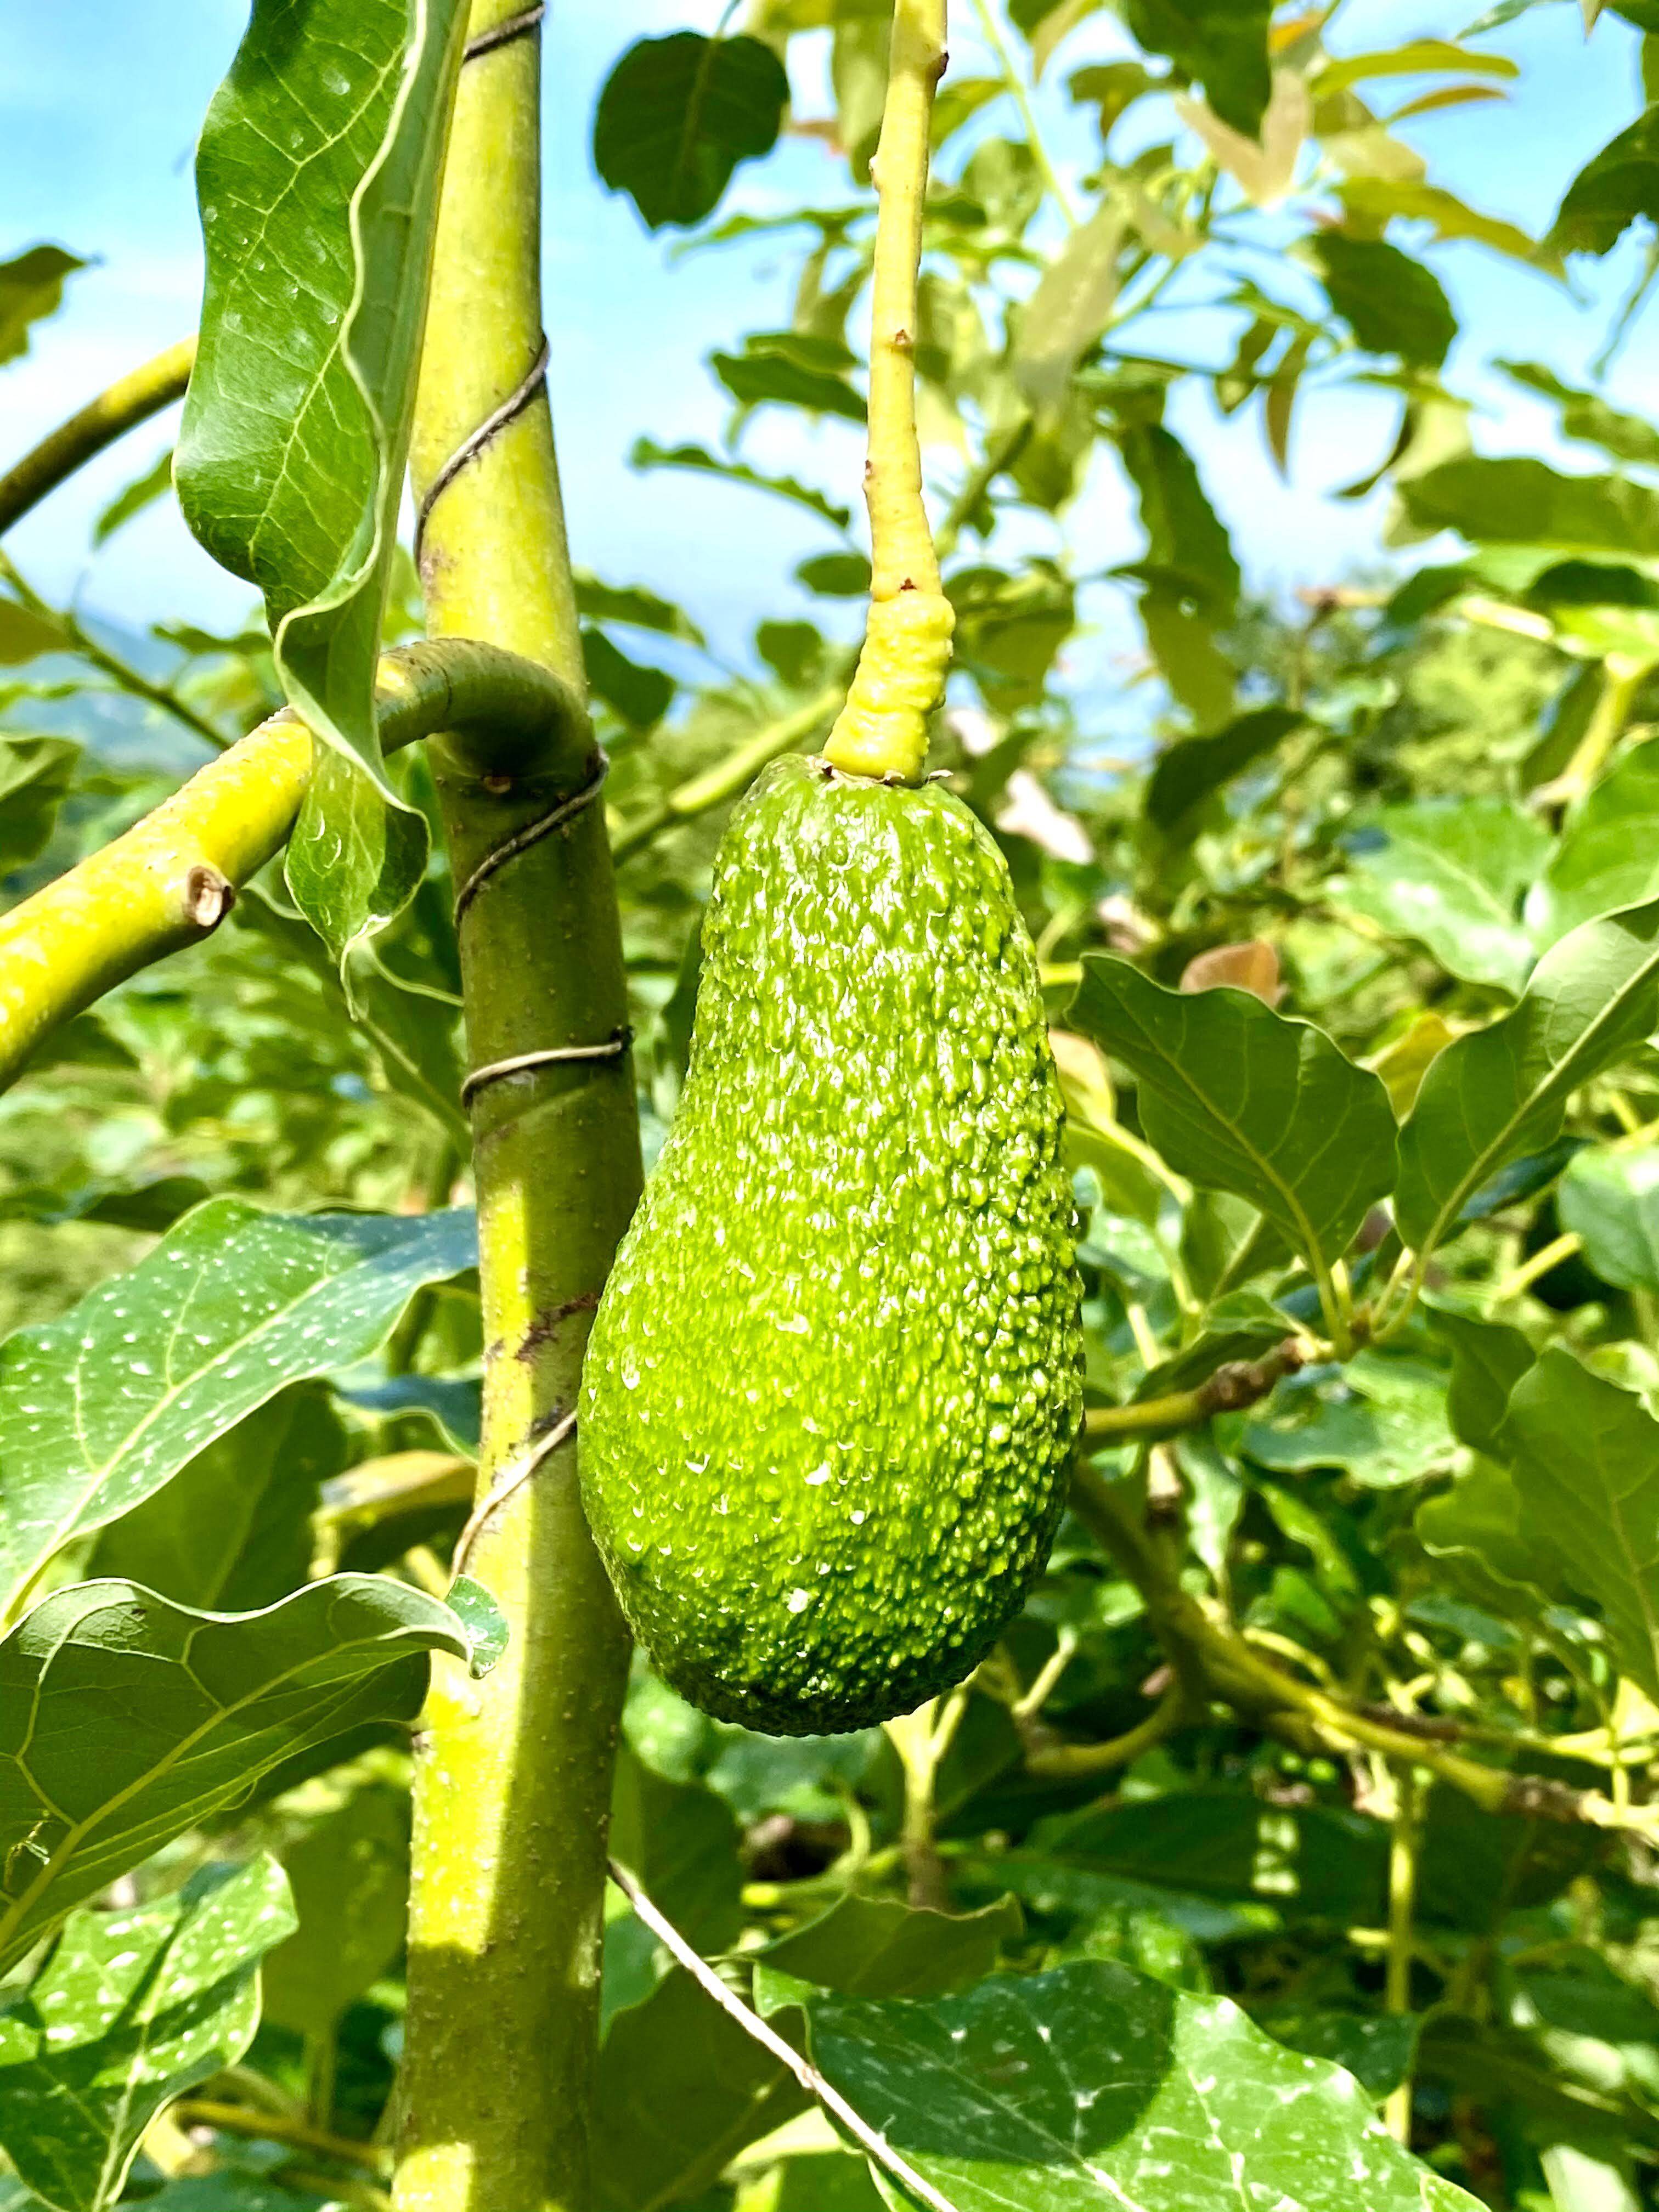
x,y
99,104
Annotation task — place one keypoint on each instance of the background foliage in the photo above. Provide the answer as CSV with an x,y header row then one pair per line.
x,y
1330,965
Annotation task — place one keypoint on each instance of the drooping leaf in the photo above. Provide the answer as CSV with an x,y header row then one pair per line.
x,y
1451,875
31,288
634,606
125,1720
101,1408
1611,1199
647,454
1516,500
1609,855
132,2010
1588,416
1090,2085
784,369
1070,307
1187,771
349,1874
679,114
151,485
1188,548
1586,1461
639,694
1502,1091
1219,43
35,776
1239,1098
1392,304
232,1530
1611,190
317,175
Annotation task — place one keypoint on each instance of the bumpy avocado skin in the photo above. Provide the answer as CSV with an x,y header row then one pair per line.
x,y
835,1378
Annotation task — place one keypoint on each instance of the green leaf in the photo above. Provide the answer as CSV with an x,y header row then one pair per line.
x,y
1586,1461
1070,307
677,116
125,1720
1611,190
1489,1357
35,776
780,370
1503,1091
131,2010
680,1840
488,1629
1382,1419
350,1877
1609,855
641,694
232,1530
1009,628
634,606
25,635
1094,2087
1237,1098
1377,2048
1588,416
1377,199
876,1946
1451,874
152,483
1189,771
836,575
647,454
1392,304
1611,1200
1221,43
99,1410
31,288
317,175
1519,501
1187,547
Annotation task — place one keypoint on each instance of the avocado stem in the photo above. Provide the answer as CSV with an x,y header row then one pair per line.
x,y
882,730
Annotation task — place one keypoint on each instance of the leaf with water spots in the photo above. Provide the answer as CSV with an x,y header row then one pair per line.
x,y
131,2010
1092,2086
101,1408
125,1720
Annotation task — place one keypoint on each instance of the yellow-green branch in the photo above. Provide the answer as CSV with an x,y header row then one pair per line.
x,y
171,878
131,400
882,728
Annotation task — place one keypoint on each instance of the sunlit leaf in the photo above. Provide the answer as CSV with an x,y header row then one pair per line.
x,y
125,1720
1392,304
1070,308
1609,856
647,454
1220,44
152,483
31,289
1376,199
131,2009
679,114
1588,416
1516,500
1239,1098
1611,190
317,175
99,1410
1502,1091
1451,875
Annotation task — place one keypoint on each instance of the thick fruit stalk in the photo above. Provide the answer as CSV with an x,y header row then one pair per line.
x,y
882,728
513,1785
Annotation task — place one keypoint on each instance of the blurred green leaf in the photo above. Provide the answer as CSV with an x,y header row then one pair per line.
x,y
1240,1099
131,2010
1611,1199
875,1945
1489,1357
349,1875
99,1410
145,488
1377,2048
680,1842
1189,771
1070,307
647,454
1503,1091
318,174
836,575
1187,543
1588,416
1220,44
1609,854
677,116
31,289
25,635
1520,502
773,372
128,1720
1376,199
1392,304
1611,190
1451,874
635,606
641,694
35,776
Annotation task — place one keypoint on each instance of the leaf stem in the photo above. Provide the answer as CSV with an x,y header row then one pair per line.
x,y
882,731
1403,1843
132,399
1016,86
261,2126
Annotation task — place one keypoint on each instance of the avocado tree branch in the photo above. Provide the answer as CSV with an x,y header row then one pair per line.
x,y
173,877
882,728
513,1773
132,399
1234,1385
1210,1654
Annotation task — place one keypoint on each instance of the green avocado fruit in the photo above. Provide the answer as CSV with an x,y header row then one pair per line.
x,y
835,1381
